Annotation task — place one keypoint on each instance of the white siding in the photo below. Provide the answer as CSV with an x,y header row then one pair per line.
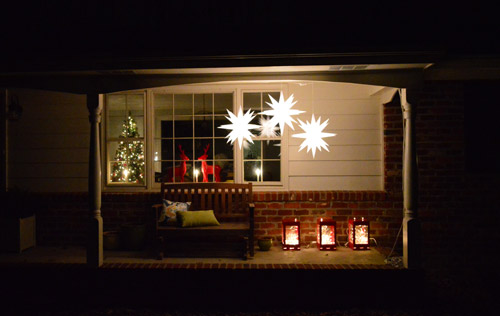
x,y
336,183
48,147
337,153
355,158
334,168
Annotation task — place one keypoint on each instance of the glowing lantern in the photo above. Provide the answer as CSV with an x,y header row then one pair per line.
x,y
359,234
326,230
291,234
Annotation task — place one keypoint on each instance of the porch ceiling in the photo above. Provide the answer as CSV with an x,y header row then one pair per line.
x,y
103,75
106,83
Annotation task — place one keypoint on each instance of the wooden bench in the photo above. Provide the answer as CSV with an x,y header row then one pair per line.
x,y
233,207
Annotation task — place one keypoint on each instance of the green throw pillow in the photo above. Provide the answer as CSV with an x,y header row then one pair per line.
x,y
197,218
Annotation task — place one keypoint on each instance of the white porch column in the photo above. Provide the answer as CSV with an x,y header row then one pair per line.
x,y
94,229
411,223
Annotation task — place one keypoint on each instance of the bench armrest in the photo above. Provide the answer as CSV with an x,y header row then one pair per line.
x,y
251,213
157,206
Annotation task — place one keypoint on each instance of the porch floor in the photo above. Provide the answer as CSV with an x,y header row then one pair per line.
x,y
305,258
309,278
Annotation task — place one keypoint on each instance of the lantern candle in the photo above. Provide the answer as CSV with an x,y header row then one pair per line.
x,y
359,234
291,234
326,229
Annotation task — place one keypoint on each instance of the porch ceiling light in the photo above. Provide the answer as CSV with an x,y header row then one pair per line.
x,y
313,135
282,111
240,127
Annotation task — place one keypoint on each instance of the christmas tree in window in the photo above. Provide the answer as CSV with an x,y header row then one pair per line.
x,y
128,163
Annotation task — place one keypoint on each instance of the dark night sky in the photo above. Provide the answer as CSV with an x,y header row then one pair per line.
x,y
68,29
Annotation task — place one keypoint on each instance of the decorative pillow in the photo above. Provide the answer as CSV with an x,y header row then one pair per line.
x,y
169,211
197,218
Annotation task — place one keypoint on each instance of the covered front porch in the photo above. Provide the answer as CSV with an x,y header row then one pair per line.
x,y
366,202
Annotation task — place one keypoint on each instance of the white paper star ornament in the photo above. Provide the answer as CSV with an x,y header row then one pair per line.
x,y
267,128
282,111
313,135
240,127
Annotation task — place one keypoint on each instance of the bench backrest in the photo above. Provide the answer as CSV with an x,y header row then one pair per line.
x,y
229,201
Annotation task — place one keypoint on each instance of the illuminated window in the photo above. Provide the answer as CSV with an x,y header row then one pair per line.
x,y
186,128
172,134
262,159
125,145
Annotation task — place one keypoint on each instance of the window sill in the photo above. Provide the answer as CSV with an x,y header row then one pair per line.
x,y
124,188
268,186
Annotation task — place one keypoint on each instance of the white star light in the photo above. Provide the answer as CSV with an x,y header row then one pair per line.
x,y
245,145
282,111
240,127
313,136
267,127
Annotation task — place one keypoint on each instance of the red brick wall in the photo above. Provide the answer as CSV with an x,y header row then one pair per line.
x,y
63,217
441,161
458,209
307,206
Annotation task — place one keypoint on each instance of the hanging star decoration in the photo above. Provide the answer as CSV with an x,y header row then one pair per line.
x,y
245,145
267,127
313,135
282,111
240,127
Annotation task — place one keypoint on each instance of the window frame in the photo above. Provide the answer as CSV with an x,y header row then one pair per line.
x,y
284,144
149,138
106,140
194,116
